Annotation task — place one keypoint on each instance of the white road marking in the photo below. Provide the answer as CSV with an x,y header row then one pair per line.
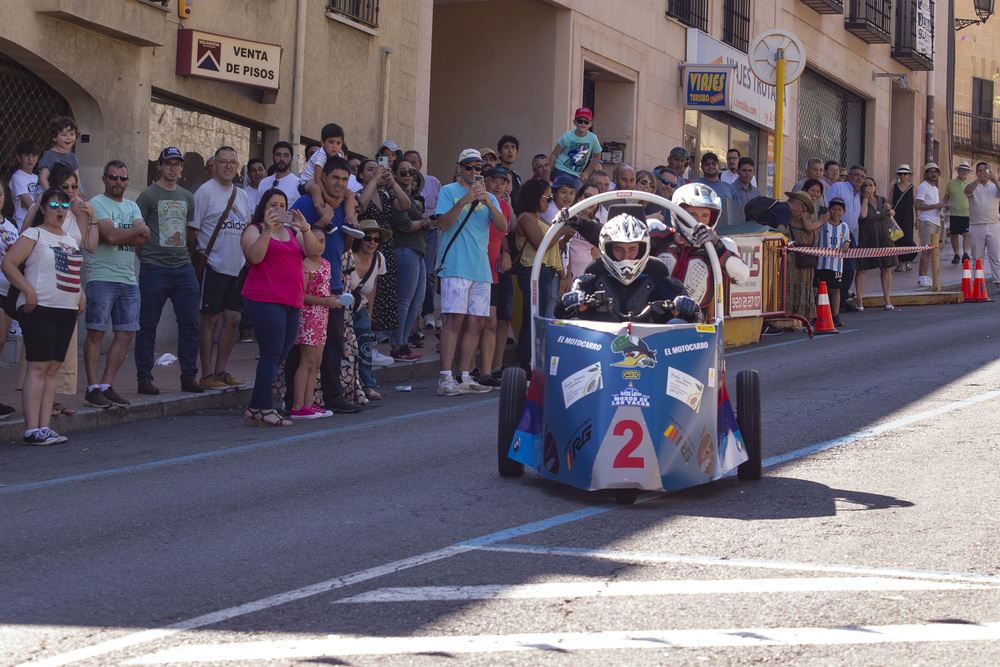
x,y
598,588
646,557
573,641
145,636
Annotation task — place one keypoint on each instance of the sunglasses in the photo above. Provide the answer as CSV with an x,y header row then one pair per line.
x,y
582,120
115,179
671,184
68,187
54,205
403,173
371,239
645,183
472,167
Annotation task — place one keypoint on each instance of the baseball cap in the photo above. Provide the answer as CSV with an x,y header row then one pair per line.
x,y
171,152
496,172
484,151
839,201
963,165
931,165
210,161
584,112
469,154
709,156
904,169
679,151
563,180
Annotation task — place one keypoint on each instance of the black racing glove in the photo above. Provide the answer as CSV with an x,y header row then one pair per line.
x,y
687,308
703,235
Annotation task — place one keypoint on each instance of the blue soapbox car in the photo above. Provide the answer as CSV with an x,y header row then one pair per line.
x,y
628,406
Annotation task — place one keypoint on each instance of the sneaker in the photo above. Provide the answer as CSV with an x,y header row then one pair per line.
x,y
955,259
488,380
429,321
212,382
770,330
404,354
246,336
321,412
340,406
964,257
115,398
379,359
470,386
229,380
416,339
191,385
94,399
6,411
837,322
924,281
60,439
38,438
448,387
147,387
304,413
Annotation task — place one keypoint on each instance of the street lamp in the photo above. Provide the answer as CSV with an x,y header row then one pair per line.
x,y
984,9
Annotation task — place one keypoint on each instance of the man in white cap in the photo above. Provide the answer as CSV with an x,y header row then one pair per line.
x,y
928,204
958,204
465,211
984,218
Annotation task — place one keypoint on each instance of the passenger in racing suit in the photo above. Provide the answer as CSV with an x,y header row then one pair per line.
x,y
625,280
684,252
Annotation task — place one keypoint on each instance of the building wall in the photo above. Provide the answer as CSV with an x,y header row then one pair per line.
x,y
977,55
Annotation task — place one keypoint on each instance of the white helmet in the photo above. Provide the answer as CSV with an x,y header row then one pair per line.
x,y
624,228
696,194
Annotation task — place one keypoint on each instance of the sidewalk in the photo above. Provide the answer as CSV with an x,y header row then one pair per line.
x,y
171,400
906,292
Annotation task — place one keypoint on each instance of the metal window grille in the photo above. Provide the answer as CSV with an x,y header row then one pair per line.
x,y
831,121
736,29
27,104
911,39
690,12
362,11
871,17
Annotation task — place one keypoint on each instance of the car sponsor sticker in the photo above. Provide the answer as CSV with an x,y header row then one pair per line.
x,y
582,383
685,388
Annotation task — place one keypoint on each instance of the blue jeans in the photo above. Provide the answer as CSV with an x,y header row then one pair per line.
x,y
411,280
363,332
276,327
430,263
156,285
546,278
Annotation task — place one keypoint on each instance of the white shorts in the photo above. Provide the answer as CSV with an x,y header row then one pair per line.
x,y
467,297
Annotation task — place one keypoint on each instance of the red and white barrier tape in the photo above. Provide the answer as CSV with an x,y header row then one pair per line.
x,y
858,252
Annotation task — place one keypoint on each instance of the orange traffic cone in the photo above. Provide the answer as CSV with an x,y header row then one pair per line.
x,y
966,280
979,287
824,316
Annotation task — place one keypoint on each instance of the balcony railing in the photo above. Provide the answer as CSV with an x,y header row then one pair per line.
x,y
364,12
826,6
980,134
914,44
869,20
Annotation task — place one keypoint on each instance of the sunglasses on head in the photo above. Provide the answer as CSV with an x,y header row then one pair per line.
x,y
472,167
58,204
113,178
581,120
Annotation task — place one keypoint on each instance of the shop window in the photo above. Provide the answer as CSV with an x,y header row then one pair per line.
x,y
364,12
736,29
832,121
690,12
27,104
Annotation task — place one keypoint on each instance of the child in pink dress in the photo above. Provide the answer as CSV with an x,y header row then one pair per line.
x,y
312,334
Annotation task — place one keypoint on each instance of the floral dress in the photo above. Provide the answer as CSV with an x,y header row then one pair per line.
x,y
350,381
384,313
799,297
314,317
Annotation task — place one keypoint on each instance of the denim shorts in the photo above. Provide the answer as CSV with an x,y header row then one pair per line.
x,y
112,303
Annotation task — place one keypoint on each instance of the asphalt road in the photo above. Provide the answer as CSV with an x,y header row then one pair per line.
x,y
387,538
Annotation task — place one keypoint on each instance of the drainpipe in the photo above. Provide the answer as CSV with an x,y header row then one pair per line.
x,y
929,148
383,136
299,81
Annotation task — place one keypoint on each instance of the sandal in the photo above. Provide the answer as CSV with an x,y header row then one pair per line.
x,y
371,394
271,417
60,409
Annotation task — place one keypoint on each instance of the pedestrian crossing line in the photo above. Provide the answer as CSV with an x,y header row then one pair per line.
x,y
598,588
573,641
652,557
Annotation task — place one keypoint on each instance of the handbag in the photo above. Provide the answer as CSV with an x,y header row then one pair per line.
x,y
10,305
200,260
802,260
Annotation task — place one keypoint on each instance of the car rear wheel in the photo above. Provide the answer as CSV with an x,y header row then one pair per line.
x,y
748,420
513,388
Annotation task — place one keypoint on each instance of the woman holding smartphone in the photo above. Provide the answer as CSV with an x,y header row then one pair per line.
x,y
273,293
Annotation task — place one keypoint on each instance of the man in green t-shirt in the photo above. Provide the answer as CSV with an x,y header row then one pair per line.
x,y
958,205
165,273
112,289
